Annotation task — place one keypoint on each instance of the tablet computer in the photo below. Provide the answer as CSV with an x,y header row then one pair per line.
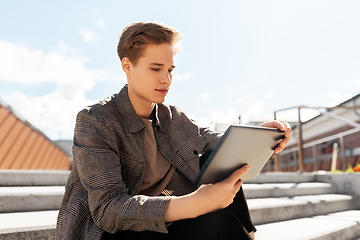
x,y
240,145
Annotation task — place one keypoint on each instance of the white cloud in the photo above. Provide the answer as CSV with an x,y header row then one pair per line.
x,y
241,100
204,97
88,35
248,99
21,65
253,112
53,113
352,82
63,47
204,122
230,89
100,23
270,93
231,116
184,76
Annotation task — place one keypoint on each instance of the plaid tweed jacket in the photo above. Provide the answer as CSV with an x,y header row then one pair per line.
x,y
108,168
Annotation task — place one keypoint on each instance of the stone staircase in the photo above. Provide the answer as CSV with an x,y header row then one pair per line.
x,y
287,206
29,203
305,206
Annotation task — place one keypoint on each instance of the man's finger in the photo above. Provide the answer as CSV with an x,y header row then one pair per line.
x,y
286,140
238,185
236,175
287,129
282,145
273,124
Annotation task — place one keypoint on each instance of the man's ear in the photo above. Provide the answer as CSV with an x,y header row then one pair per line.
x,y
126,65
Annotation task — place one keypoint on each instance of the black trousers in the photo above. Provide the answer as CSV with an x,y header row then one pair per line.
x,y
233,222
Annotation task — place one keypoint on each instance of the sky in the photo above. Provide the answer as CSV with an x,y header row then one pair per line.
x,y
244,58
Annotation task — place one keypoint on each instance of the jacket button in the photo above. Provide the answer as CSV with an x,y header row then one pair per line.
x,y
195,152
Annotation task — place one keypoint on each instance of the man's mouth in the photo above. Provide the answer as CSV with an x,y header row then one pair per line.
x,y
162,90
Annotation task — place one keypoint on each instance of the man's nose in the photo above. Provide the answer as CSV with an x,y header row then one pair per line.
x,y
167,78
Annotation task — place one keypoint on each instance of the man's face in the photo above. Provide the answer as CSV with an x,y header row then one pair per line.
x,y
150,79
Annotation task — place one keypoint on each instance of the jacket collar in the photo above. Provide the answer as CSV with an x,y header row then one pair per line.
x,y
128,114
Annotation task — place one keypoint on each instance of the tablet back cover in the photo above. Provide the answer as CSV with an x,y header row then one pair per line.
x,y
240,145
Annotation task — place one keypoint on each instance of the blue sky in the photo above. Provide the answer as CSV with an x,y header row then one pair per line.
x,y
245,58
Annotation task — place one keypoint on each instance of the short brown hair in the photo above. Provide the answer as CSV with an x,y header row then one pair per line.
x,y
136,36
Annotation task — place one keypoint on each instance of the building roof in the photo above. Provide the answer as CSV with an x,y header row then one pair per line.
x,y
324,123
23,146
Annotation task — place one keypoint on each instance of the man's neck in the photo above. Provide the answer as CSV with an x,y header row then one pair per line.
x,y
142,108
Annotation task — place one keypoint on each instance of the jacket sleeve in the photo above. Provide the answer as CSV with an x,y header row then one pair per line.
x,y
99,168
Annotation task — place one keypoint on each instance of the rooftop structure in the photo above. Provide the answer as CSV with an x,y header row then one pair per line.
x,y
23,146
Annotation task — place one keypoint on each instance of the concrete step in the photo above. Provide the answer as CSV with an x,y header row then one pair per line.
x,y
23,208
265,190
347,183
22,199
267,210
284,177
338,226
33,177
28,225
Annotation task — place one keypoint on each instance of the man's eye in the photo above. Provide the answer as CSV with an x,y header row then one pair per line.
x,y
170,70
155,69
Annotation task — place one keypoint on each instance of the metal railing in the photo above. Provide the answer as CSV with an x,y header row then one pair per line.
x,y
300,146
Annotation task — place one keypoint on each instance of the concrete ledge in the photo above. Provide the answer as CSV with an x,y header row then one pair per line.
x,y
340,226
24,199
348,183
45,234
284,177
268,210
33,177
12,223
254,190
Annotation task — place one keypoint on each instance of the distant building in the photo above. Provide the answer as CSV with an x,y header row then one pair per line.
x,y
22,146
319,135
66,145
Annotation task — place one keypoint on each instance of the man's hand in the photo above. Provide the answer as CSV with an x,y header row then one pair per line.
x,y
206,199
220,195
283,127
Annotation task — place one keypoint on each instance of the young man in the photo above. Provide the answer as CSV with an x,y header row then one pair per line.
x,y
135,159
